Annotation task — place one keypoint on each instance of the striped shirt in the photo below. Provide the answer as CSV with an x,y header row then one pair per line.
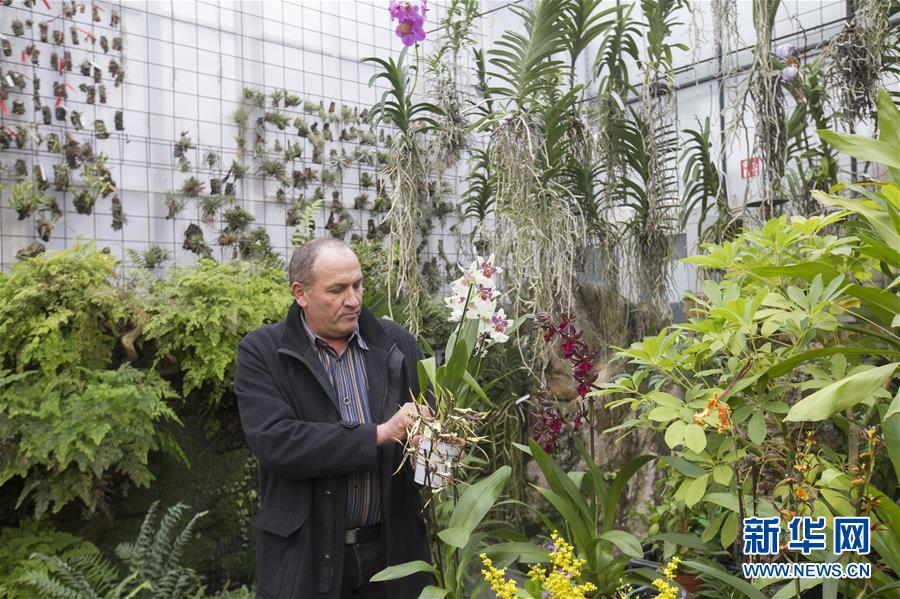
x,y
347,374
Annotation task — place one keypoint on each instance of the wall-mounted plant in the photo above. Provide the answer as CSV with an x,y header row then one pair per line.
x,y
61,176
255,245
84,202
44,226
277,96
118,214
192,187
318,144
117,44
18,28
368,138
328,177
278,119
26,199
182,147
318,194
209,207
100,129
46,115
104,44
302,127
75,119
101,93
119,120
97,176
21,136
35,55
255,97
326,132
53,143
85,67
175,203
116,71
347,115
365,180
311,107
291,100
18,107
44,30
339,222
194,242
59,38
277,147
67,60
237,170
60,113
302,178
336,202
271,168
237,219
292,151
361,201
215,186
6,46
114,18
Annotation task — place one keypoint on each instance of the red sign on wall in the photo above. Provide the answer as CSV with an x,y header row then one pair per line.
x,y
749,168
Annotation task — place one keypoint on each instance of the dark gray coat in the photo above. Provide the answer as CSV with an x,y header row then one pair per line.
x,y
293,425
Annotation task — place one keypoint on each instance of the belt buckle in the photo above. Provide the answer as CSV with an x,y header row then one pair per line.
x,y
352,536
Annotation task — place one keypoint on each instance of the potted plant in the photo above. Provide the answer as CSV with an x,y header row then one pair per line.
x,y
452,388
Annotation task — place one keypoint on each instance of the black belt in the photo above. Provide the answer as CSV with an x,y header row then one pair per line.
x,y
363,534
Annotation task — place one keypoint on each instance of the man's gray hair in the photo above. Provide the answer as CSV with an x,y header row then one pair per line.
x,y
300,269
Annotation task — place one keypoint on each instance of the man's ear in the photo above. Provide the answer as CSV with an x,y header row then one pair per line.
x,y
299,293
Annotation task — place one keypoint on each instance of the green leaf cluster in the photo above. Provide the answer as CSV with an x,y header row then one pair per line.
x,y
199,314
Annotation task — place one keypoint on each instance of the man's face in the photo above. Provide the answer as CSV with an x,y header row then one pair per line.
x,y
332,302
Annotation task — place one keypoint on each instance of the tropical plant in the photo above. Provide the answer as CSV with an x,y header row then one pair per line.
x,y
73,417
201,336
153,562
775,398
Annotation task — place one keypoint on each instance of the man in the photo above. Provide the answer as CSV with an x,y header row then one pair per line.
x,y
324,399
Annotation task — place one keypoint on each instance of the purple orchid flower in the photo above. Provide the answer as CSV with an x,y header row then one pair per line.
x,y
411,21
785,51
789,73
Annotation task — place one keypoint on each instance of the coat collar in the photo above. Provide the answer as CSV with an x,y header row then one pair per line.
x,y
295,342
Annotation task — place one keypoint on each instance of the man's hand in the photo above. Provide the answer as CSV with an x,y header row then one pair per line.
x,y
395,428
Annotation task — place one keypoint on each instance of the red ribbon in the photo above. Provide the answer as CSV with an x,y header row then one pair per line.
x,y
58,101
3,108
87,33
23,55
47,4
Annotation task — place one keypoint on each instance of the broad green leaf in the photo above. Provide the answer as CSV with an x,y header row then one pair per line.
x,y
729,530
722,474
611,504
403,570
786,366
863,147
683,466
729,501
433,592
890,428
696,490
685,540
625,541
710,531
695,438
473,505
675,434
665,399
558,479
663,414
840,395
756,430
519,551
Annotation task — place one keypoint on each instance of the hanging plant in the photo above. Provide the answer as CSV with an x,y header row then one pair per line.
x,y
100,129
194,242
272,168
84,202
209,207
361,201
174,204
192,187
118,215
61,176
